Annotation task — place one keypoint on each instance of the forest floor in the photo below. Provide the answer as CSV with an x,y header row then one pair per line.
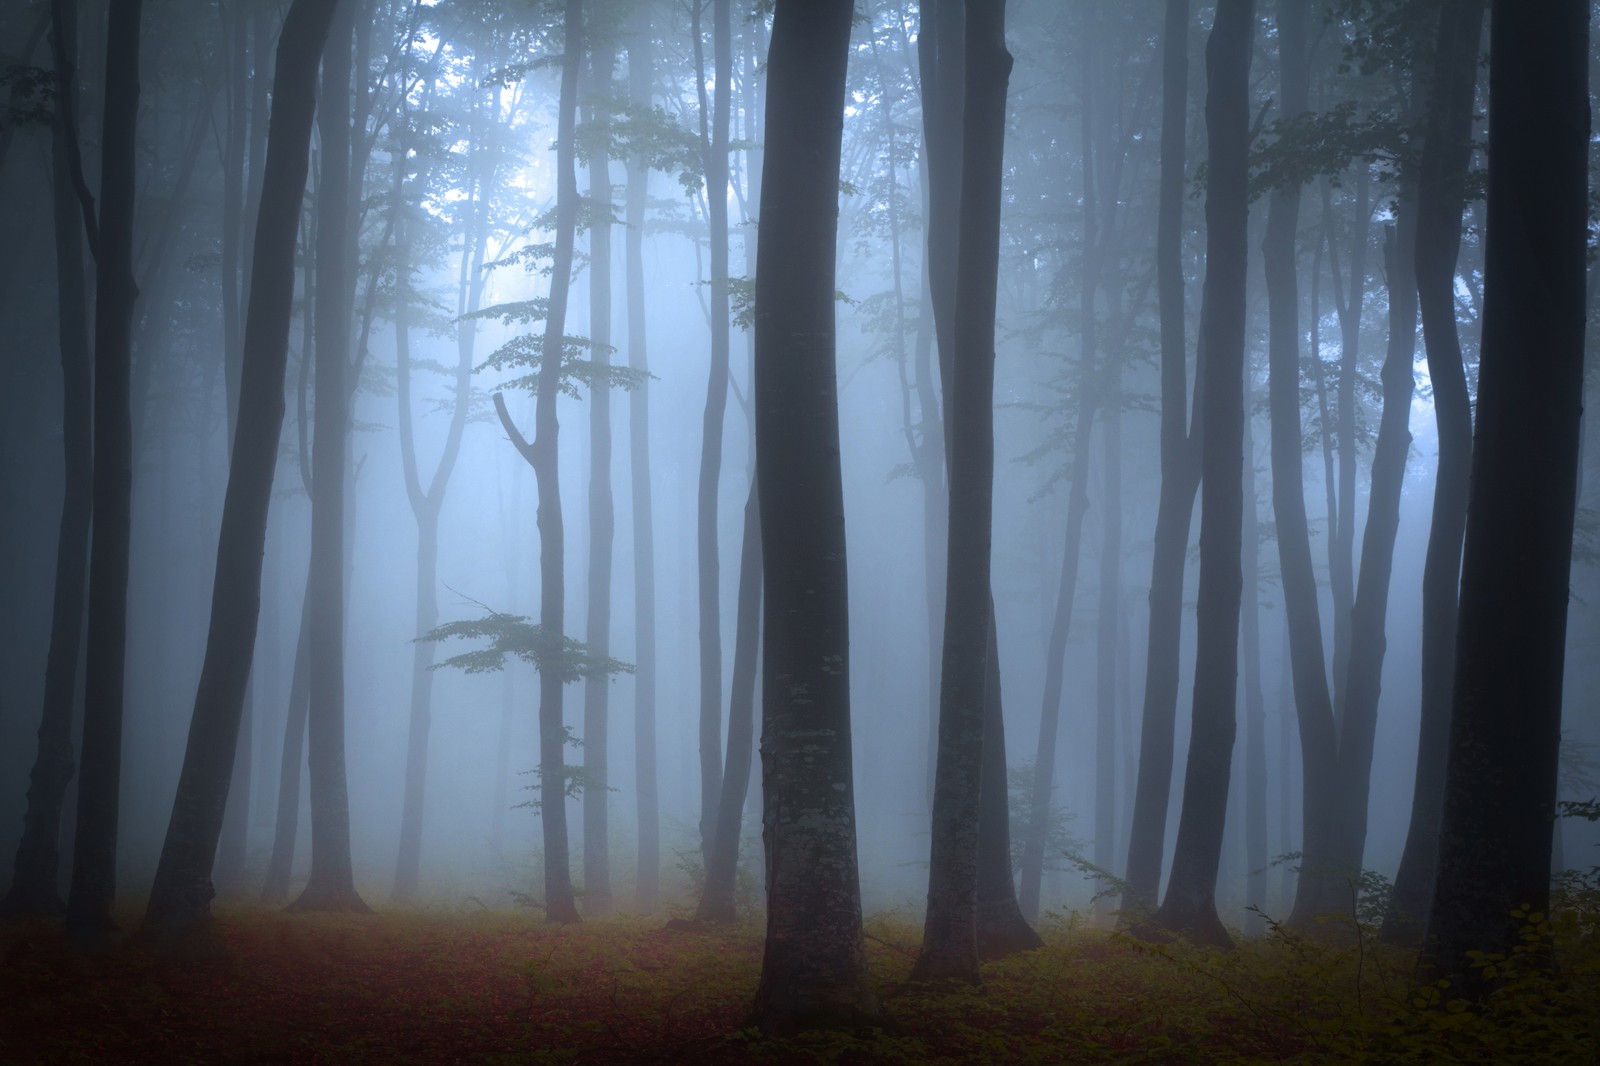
x,y
440,986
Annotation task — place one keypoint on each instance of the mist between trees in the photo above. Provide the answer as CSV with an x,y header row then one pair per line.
x,y
791,460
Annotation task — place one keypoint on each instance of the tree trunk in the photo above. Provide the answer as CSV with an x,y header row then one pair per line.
x,y
602,514
292,757
718,901
813,968
178,917
1500,779
89,926
1341,565
331,885
1190,906
544,456
949,945
1180,478
1446,152
35,882
1002,929
648,876
1255,704
714,148
1105,736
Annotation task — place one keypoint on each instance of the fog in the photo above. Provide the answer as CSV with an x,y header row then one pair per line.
x,y
480,85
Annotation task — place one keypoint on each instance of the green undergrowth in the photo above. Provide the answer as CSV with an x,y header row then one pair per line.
x,y
436,985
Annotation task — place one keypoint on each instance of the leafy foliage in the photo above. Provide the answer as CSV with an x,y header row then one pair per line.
x,y
513,635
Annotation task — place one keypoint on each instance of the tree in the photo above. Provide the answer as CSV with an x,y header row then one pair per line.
x,y
179,909
714,150
648,875
332,882
1180,479
544,456
1505,730
35,888
602,515
1189,906
813,967
949,946
1446,151
89,925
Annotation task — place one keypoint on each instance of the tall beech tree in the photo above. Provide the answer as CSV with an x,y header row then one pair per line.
x,y
35,877
602,511
1189,906
950,946
331,886
1505,731
89,924
647,876
813,967
1441,181
178,914
1180,479
543,455
714,152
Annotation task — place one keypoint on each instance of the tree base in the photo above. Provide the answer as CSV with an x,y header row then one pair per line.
x,y
29,900
1003,932
328,899
1196,922
562,913
93,936
854,1011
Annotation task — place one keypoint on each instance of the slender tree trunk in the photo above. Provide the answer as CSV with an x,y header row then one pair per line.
x,y
292,757
544,456
35,882
1255,704
1190,904
89,926
648,876
1341,572
1180,478
602,515
1500,779
718,901
178,917
1446,152
813,968
949,945
1105,779
714,147
332,881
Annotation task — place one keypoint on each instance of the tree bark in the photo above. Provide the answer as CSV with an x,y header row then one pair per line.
x,y
1500,778
544,456
89,925
178,917
1446,152
647,879
949,946
1190,905
714,150
1180,479
35,881
331,886
602,513
813,968
1255,704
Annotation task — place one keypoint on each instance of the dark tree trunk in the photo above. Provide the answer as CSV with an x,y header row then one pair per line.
x,y
1105,724
1190,906
1255,704
179,911
292,759
89,925
1500,778
1341,564
648,876
1446,152
543,455
602,513
813,969
35,882
332,882
1180,478
714,148
949,945
1313,701
717,902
